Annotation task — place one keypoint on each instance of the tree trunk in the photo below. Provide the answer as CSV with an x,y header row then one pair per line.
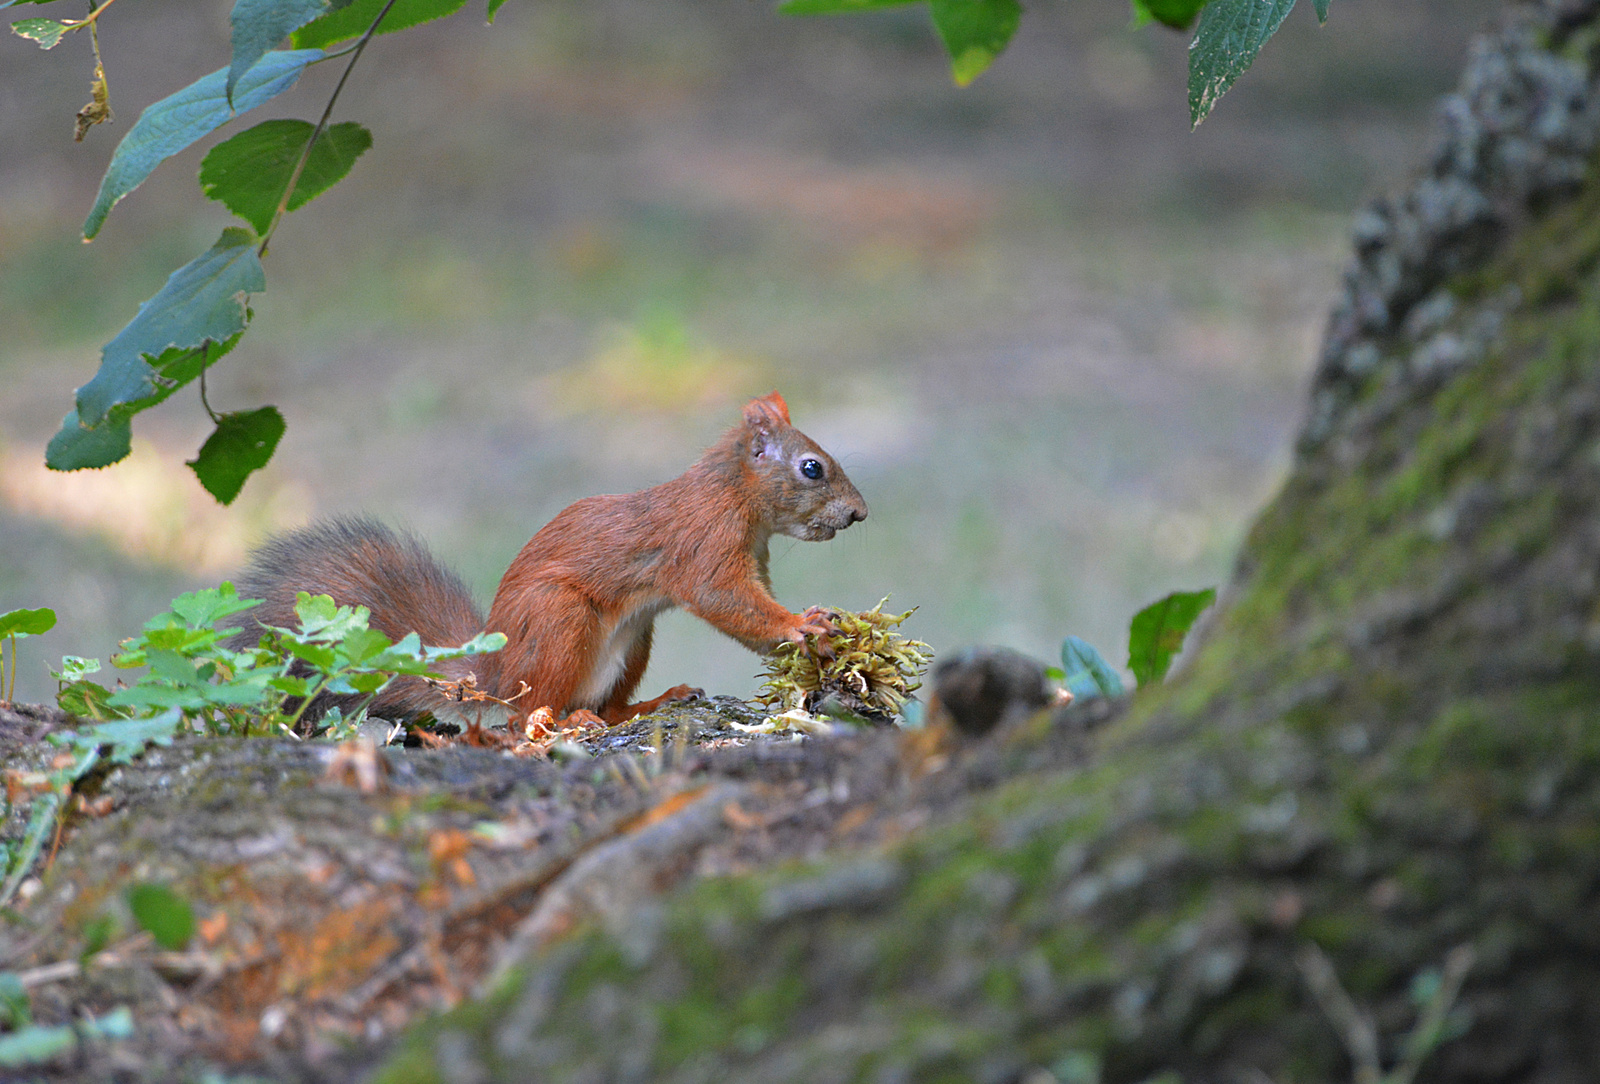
x,y
1388,747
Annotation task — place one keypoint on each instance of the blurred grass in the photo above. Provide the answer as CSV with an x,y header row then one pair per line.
x,y
1058,341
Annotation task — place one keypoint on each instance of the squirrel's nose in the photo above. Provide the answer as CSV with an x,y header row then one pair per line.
x,y
857,514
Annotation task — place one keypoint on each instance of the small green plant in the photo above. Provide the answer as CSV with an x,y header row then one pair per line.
x,y
195,682
264,689
1155,636
14,626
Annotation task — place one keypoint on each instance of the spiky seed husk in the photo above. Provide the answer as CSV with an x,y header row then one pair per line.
x,y
873,668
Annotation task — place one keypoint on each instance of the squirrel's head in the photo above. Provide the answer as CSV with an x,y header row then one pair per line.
x,y
805,492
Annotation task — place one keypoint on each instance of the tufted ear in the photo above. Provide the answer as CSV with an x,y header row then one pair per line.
x,y
767,412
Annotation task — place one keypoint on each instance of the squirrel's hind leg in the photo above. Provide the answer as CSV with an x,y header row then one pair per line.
x,y
617,709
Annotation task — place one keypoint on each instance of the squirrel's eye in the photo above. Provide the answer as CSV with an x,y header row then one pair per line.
x,y
811,468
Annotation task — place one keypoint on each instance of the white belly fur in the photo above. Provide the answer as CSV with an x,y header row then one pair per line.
x,y
612,660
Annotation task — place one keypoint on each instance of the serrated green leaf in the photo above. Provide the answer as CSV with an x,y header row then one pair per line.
x,y
47,32
363,684
838,7
76,447
86,700
974,32
203,302
165,914
360,645
249,172
20,623
75,668
1157,632
242,442
178,120
321,617
1085,672
1177,14
321,656
129,738
258,26
1230,34
202,609
293,685
353,21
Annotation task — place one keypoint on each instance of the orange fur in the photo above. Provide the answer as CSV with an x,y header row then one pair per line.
x,y
578,604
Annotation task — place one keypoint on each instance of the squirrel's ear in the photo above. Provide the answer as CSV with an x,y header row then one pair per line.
x,y
767,412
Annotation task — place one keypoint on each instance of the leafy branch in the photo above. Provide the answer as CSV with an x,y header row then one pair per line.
x,y
260,174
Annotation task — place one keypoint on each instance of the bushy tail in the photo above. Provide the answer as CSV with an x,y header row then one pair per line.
x,y
361,562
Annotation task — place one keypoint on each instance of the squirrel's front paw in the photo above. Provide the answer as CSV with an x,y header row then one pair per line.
x,y
816,621
683,692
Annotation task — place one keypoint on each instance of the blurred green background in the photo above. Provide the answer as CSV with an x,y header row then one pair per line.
x,y
1059,342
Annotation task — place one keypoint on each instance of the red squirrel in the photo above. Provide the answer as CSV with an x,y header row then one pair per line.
x,y
578,604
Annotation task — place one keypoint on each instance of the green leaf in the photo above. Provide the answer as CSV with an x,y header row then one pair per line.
x,y
164,913
47,32
16,1008
202,609
259,25
75,447
75,668
241,443
1178,14
1230,34
202,303
363,683
1086,672
178,120
1321,7
249,172
87,700
293,685
321,656
20,623
494,8
838,7
974,32
322,618
1158,631
129,738
359,645
35,1044
353,21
